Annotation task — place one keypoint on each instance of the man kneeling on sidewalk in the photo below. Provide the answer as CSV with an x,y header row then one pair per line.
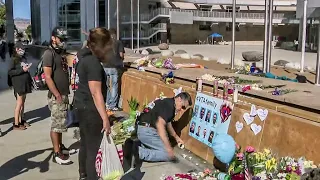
x,y
152,128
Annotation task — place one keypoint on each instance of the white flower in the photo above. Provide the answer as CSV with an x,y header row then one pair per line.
x,y
294,164
262,175
281,175
201,174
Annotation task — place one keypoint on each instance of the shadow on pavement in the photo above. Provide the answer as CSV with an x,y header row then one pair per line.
x,y
36,116
22,164
135,174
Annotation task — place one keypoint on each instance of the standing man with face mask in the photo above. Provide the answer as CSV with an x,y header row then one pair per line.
x,y
55,68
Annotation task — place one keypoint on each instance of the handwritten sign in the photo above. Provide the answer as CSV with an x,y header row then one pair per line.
x,y
210,115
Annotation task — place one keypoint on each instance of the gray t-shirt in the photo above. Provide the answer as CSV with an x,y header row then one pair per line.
x,y
115,60
59,67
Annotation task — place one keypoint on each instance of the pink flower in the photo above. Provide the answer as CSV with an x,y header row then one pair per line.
x,y
237,147
240,156
250,149
298,171
207,171
169,178
288,169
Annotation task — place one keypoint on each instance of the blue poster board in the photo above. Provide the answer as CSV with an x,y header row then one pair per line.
x,y
210,115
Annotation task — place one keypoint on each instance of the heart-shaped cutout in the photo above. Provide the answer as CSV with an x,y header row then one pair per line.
x,y
262,114
247,118
256,128
239,126
225,111
253,111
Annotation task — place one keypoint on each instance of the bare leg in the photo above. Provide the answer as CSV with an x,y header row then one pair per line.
x,y
60,139
22,108
55,138
17,111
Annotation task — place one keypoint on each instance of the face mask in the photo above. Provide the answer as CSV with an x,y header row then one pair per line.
x,y
62,45
21,52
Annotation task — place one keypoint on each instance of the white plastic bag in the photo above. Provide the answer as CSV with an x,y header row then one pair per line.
x,y
108,165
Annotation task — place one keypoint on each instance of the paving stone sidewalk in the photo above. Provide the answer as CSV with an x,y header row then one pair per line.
x,y
26,155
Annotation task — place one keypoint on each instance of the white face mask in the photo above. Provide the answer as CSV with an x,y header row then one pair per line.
x,y
21,52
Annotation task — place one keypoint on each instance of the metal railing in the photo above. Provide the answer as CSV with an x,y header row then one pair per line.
x,y
161,27
197,13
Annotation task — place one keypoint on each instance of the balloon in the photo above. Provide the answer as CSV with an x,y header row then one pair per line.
x,y
224,147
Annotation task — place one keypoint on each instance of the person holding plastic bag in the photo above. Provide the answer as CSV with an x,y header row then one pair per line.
x,y
89,100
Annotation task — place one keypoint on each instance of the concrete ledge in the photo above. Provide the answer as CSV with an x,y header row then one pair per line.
x,y
284,131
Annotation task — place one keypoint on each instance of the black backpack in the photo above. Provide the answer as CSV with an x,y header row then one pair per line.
x,y
39,79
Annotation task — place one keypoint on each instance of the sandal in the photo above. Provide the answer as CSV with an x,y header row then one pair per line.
x,y
18,127
25,123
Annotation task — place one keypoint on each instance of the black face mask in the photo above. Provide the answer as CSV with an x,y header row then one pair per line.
x,y
59,49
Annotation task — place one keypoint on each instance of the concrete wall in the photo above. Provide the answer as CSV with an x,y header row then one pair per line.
x,y
188,34
288,131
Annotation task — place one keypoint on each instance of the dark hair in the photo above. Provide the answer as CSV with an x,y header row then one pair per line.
x,y
113,31
15,57
185,97
100,43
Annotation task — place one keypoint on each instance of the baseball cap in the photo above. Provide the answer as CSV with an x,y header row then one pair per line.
x,y
19,45
60,32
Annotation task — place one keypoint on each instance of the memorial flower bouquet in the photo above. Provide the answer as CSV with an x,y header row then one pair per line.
x,y
207,174
261,165
122,130
236,167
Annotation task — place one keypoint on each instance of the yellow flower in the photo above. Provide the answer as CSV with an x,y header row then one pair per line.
x,y
267,151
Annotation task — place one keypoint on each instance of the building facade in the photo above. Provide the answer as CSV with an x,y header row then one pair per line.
x,y
175,21
74,15
191,21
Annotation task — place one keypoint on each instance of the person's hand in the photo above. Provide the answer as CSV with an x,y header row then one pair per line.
x,y
179,141
106,127
170,153
59,98
25,68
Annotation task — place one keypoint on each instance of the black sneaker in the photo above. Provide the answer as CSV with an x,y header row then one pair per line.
x,y
127,154
83,176
135,150
61,159
64,150
116,109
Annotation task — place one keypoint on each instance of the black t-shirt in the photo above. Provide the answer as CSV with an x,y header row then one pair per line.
x,y
60,74
163,108
115,60
88,69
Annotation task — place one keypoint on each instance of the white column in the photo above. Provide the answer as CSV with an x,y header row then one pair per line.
x,y
270,44
96,13
233,48
265,43
304,31
109,14
9,21
138,26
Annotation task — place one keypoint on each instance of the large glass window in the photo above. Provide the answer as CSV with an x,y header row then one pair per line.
x,y
69,18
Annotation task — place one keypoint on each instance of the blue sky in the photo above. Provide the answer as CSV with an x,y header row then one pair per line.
x,y
21,9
